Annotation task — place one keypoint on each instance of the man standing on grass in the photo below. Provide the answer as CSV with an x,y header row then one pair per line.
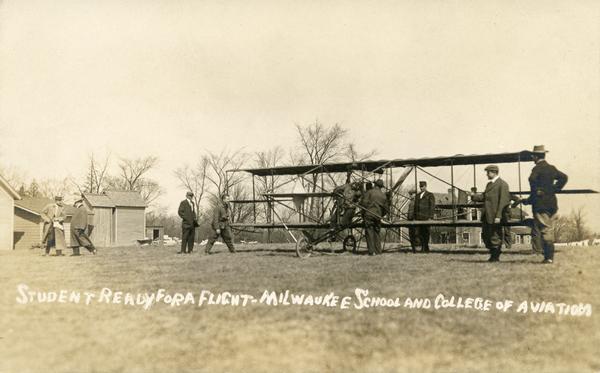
x,y
495,199
79,225
189,222
220,225
424,209
545,180
375,205
410,216
54,216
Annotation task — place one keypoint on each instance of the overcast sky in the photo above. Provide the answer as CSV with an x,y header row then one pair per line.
x,y
409,78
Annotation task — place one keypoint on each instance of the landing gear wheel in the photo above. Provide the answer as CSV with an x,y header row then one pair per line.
x,y
303,248
350,243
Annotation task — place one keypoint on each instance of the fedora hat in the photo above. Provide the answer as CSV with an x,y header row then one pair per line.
x,y
539,149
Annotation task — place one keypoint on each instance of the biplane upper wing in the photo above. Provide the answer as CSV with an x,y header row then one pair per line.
x,y
456,160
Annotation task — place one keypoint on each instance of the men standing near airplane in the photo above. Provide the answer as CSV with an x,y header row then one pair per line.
x,y
375,205
495,198
220,225
545,180
424,209
189,222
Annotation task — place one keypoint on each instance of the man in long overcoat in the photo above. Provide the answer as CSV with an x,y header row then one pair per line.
x,y
495,198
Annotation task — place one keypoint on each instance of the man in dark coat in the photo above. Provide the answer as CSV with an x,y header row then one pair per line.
x,y
220,225
545,180
79,225
495,200
410,215
189,222
424,210
375,205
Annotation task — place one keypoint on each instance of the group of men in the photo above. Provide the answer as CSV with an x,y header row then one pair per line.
x,y
220,224
54,216
545,181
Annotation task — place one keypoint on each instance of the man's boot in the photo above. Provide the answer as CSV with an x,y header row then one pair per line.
x,y
548,253
76,251
209,246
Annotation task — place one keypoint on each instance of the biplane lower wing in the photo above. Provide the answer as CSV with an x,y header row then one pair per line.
x,y
395,224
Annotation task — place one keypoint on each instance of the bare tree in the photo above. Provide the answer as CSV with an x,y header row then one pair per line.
x,y
267,159
55,187
319,144
353,155
13,176
218,165
579,228
193,179
132,177
561,227
97,174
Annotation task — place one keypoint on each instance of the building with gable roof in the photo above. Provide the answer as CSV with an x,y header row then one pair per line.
x,y
8,196
119,217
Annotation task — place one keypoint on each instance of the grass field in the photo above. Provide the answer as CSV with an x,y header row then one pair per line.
x,y
55,337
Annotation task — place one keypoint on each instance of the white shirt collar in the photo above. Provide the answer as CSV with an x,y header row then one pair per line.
x,y
495,178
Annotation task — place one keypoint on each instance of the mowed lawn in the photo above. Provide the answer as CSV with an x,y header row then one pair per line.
x,y
112,338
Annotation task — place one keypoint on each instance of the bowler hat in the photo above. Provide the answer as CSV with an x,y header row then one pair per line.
x,y
422,183
379,183
539,149
492,167
189,194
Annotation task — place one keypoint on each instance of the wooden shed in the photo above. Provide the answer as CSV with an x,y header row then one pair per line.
x,y
119,217
29,226
8,195
103,209
155,232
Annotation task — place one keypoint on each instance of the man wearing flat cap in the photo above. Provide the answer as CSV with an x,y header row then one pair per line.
x,y
495,198
189,221
375,206
54,216
545,180
424,210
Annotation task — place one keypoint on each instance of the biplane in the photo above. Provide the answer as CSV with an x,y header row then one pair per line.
x,y
320,198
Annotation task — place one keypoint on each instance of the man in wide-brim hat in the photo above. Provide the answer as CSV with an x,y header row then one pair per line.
x,y
79,228
545,180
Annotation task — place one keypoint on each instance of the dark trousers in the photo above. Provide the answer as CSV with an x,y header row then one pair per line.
x,y
372,234
493,235
227,237
80,238
507,237
412,236
187,239
424,233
